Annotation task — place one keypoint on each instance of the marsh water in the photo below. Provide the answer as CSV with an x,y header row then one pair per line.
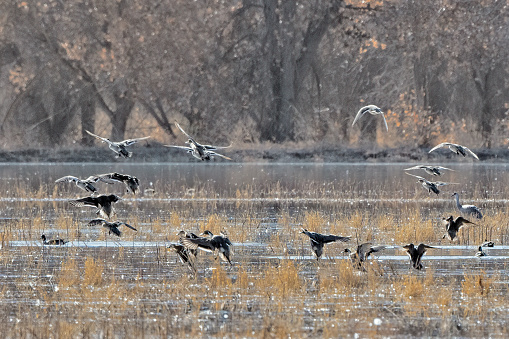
x,y
257,202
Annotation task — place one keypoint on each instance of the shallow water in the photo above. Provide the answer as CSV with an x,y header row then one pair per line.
x,y
276,197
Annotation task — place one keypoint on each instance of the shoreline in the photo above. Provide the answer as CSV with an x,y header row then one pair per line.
x,y
257,153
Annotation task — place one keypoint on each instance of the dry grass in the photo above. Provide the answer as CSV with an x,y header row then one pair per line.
x,y
129,291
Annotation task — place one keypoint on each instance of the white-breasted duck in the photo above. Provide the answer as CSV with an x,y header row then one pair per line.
x,y
112,227
430,169
371,109
458,149
431,186
197,150
362,252
84,184
119,147
480,252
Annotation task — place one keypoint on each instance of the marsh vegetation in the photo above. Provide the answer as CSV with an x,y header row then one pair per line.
x,y
98,285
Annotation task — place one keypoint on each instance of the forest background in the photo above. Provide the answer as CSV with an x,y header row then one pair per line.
x,y
254,72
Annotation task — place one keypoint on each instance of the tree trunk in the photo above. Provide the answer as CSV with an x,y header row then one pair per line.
x,y
87,108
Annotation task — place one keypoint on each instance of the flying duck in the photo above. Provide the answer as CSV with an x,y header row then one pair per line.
x,y
131,182
119,147
452,226
458,149
373,110
416,253
86,184
431,186
362,253
318,240
197,150
103,203
111,226
219,244
432,170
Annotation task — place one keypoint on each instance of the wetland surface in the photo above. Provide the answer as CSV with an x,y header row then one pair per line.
x,y
98,285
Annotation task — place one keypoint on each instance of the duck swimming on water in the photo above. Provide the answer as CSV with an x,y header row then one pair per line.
x,y
52,241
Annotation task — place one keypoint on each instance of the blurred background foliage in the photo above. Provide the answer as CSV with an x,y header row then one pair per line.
x,y
254,71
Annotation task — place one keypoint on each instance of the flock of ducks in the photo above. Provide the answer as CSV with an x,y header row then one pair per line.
x,y
189,243
452,225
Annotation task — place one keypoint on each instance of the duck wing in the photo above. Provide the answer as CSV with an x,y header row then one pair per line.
x,y
88,201
128,226
189,149
385,122
98,137
439,146
471,153
109,178
201,243
360,113
219,155
97,221
68,178
129,142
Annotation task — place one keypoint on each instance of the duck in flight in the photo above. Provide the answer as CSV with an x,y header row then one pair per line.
x,y
431,186
131,182
84,184
458,149
186,255
416,253
319,240
111,226
452,226
219,244
197,150
432,170
371,109
103,203
362,253
119,147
